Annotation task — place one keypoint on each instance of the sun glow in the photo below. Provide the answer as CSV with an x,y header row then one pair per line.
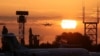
x,y
68,24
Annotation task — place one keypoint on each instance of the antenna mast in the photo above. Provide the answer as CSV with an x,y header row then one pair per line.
x,y
90,28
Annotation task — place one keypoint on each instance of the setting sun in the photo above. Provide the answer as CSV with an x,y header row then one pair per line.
x,y
68,24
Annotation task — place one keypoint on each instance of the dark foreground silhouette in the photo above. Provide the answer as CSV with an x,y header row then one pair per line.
x,y
13,48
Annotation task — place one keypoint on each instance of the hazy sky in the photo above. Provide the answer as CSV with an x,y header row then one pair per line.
x,y
65,8
51,9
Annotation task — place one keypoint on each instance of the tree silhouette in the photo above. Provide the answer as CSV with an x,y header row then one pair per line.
x,y
72,40
46,45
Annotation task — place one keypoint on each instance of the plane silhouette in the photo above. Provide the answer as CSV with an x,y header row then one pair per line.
x,y
47,24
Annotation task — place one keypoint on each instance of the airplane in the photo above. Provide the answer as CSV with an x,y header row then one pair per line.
x,y
19,50
47,24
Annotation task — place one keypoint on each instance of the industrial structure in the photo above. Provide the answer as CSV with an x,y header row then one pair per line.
x,y
33,39
91,28
21,20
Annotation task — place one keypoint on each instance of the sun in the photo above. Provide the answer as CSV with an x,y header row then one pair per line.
x,y
68,24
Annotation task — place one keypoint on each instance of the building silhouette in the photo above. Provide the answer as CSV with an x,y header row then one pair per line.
x,y
33,39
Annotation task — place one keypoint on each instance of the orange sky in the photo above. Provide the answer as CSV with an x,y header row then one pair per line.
x,y
64,9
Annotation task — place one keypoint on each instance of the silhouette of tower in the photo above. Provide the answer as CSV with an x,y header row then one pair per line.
x,y
21,20
30,38
36,40
91,28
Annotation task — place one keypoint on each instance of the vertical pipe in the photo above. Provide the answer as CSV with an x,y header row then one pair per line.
x,y
83,10
85,29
